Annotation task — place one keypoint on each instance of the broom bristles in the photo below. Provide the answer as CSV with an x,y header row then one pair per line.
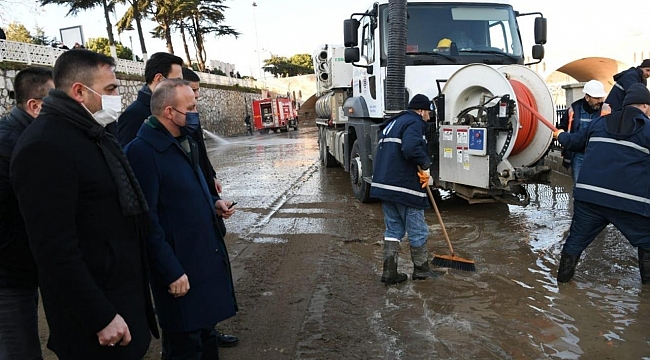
x,y
453,262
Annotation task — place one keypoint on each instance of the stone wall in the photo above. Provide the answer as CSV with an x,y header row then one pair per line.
x,y
222,110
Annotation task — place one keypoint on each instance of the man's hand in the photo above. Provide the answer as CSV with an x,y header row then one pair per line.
x,y
217,185
425,176
180,287
557,132
116,331
224,209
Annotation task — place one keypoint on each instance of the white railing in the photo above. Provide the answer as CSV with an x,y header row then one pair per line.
x,y
45,55
226,80
129,67
28,53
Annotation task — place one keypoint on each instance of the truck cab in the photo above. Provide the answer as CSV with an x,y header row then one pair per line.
x,y
480,32
441,37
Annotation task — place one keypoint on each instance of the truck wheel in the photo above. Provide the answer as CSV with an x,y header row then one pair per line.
x,y
285,128
264,131
325,157
360,187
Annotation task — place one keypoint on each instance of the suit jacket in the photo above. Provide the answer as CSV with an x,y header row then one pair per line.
x,y
91,262
132,118
185,239
17,267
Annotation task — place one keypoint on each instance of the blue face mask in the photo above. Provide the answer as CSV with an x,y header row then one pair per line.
x,y
192,121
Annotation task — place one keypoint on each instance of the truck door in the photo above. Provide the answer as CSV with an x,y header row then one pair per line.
x,y
369,85
257,115
267,114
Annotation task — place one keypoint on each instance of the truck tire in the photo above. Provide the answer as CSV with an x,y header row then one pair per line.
x,y
264,131
285,128
325,157
360,187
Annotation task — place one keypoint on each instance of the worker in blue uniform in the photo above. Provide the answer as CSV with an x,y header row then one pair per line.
x,y
614,181
398,183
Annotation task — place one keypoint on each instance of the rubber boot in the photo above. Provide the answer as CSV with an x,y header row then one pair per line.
x,y
567,267
390,274
420,257
644,265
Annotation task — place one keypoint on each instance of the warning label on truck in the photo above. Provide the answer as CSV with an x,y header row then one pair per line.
x,y
459,154
447,134
461,136
448,153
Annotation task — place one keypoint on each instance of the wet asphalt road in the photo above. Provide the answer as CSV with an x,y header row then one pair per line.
x,y
307,258
307,261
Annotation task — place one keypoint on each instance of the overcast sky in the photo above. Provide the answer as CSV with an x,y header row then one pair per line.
x,y
288,27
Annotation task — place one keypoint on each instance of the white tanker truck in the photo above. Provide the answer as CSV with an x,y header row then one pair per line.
x,y
494,115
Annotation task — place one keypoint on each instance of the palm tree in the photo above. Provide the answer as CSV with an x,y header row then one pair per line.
x,y
81,5
167,13
206,18
137,11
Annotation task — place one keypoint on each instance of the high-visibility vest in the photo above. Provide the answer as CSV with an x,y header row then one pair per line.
x,y
604,110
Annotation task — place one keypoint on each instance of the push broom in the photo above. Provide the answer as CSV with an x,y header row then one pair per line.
x,y
449,261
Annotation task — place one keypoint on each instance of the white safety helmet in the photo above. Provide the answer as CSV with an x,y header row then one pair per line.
x,y
594,88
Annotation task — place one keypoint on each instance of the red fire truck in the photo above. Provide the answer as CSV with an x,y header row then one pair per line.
x,y
274,114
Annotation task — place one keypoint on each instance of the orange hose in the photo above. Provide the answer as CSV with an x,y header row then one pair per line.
x,y
527,120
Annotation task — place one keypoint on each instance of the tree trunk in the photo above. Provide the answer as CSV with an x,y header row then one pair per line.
x,y
200,50
187,49
143,47
109,26
168,37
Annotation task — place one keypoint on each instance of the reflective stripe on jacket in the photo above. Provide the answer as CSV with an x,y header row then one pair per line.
x,y
616,168
401,148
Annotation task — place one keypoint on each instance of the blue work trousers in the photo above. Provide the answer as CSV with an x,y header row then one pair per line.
x,y
590,219
576,164
401,219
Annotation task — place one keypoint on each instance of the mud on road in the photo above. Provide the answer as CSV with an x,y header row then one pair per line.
x,y
306,262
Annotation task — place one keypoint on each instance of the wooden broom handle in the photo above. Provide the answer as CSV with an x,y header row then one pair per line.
x,y
442,225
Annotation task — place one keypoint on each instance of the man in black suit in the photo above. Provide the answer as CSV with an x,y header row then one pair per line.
x,y
159,67
85,216
18,277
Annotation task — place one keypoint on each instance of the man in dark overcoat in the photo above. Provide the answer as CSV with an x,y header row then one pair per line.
x,y
190,270
85,216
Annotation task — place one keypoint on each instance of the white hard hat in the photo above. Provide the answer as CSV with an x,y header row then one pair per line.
x,y
594,88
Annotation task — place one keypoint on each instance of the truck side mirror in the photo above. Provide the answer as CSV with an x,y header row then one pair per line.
x,y
351,32
540,30
352,55
538,52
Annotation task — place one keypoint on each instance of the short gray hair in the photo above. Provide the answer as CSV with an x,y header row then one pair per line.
x,y
165,95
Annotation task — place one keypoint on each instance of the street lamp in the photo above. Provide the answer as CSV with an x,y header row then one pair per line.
x,y
259,63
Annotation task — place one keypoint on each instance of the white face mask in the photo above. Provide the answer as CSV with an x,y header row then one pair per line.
x,y
111,108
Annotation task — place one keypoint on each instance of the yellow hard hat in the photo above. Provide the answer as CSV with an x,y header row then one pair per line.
x,y
444,43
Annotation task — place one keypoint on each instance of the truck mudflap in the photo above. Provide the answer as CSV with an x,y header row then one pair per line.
x,y
356,107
